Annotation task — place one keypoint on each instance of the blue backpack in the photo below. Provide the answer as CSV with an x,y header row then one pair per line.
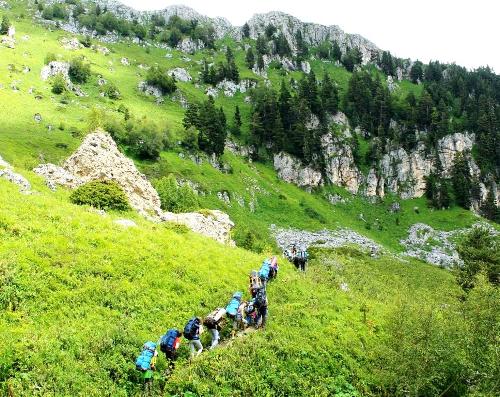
x,y
264,270
234,304
303,255
143,362
191,328
167,342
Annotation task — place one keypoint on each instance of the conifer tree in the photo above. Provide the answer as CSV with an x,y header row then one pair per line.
x,y
246,31
4,26
250,58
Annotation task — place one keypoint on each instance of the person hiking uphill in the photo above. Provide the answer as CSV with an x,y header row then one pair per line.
x,y
169,343
192,332
232,311
302,260
260,303
213,323
146,363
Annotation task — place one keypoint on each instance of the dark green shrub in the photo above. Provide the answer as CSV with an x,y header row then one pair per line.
x,y
106,195
111,91
79,72
58,84
175,198
158,77
313,214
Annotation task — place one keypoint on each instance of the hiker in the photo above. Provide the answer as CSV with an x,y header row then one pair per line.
x,y
294,250
192,332
302,260
273,273
169,343
264,271
255,282
146,363
260,303
232,310
250,313
213,323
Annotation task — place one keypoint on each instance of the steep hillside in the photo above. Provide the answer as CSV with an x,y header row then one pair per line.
x,y
80,294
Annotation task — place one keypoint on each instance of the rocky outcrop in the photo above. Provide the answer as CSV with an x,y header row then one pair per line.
x,y
55,68
340,167
291,170
98,158
180,74
214,224
189,46
404,173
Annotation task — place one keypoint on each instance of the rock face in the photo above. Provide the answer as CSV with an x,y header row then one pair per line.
x,y
55,175
340,168
215,224
291,170
312,33
399,172
62,68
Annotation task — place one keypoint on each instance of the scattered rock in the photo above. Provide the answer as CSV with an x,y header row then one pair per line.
x,y
305,66
335,199
8,42
224,197
324,238
150,90
211,91
395,207
125,62
190,46
55,175
71,44
37,117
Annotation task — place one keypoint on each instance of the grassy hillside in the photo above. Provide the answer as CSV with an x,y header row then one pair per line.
x,y
81,294
25,143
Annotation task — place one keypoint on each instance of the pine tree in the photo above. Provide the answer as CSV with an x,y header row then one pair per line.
x,y
284,106
236,129
417,72
336,52
250,58
489,208
246,31
261,45
191,117
329,95
5,25
461,181
260,62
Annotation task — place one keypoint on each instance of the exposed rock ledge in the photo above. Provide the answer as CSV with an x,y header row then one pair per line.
x,y
98,158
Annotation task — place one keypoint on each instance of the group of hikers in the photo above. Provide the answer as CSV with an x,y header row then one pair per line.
x,y
239,314
297,256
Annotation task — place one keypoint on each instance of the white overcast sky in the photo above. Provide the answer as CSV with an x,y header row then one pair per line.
x,y
465,32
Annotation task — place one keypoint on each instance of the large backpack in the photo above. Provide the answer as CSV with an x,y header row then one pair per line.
x,y
303,254
170,341
191,328
234,304
215,317
143,361
260,297
264,270
255,281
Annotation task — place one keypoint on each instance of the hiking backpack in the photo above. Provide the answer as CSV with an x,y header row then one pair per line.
x,y
264,270
191,328
170,341
234,304
255,281
215,317
260,297
143,361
